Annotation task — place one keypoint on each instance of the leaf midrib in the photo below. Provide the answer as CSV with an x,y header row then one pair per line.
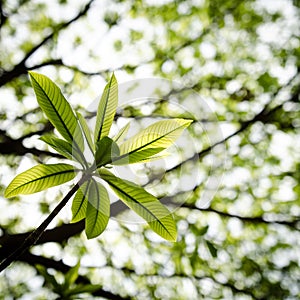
x,y
44,177
134,200
61,120
145,145
98,205
104,111
66,128
83,198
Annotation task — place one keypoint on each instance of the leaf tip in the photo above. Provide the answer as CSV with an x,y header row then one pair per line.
x,y
173,238
173,235
113,79
91,235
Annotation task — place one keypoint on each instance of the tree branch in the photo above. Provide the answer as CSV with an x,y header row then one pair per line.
x,y
58,234
36,234
32,259
20,68
292,223
60,266
3,16
228,284
119,207
11,146
51,62
262,116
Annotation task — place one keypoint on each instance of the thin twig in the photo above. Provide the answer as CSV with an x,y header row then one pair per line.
x,y
36,234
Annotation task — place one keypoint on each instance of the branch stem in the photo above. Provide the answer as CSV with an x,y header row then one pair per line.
x,y
37,233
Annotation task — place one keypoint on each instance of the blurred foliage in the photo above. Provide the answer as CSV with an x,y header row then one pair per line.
x,y
232,65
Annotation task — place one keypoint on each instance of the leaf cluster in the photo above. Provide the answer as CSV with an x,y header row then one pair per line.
x,y
91,201
68,289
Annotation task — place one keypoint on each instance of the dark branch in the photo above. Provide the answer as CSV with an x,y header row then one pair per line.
x,y
58,234
119,207
51,62
10,146
228,284
3,16
32,259
21,68
254,220
262,116
64,232
292,223
35,235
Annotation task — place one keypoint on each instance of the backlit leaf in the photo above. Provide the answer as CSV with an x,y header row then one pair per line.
x,y
144,204
212,249
139,156
83,288
40,178
159,135
106,109
98,210
71,275
62,147
79,203
106,151
49,278
86,131
57,109
119,137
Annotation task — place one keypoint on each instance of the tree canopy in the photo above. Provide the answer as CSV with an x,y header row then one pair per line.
x,y
232,182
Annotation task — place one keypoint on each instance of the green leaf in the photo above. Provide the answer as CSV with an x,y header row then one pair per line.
x,y
64,148
86,131
98,210
79,203
139,156
160,136
71,275
144,204
84,288
40,178
202,231
106,151
50,279
106,109
57,109
212,249
119,137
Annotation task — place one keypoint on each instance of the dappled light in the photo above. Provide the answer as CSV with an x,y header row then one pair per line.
x,y
217,82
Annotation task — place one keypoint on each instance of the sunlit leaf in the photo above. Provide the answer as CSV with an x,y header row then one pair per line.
x,y
79,203
62,147
140,156
57,109
120,136
86,131
212,249
98,210
49,278
159,136
71,275
106,151
40,178
83,288
106,109
144,204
